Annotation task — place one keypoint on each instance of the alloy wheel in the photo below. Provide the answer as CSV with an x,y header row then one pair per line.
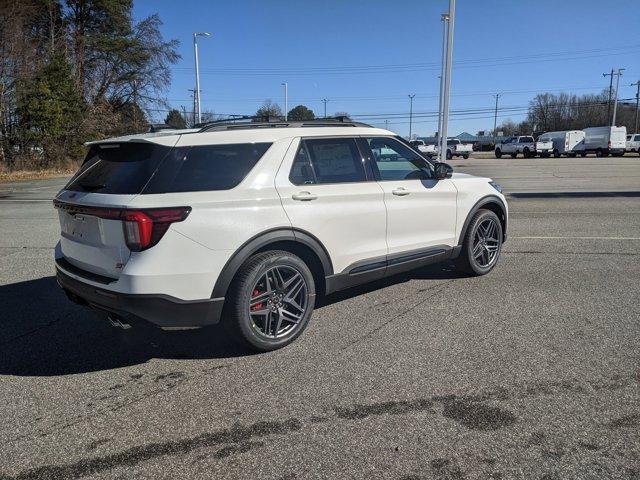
x,y
278,302
486,243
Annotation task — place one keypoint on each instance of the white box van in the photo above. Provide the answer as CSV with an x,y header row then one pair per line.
x,y
565,142
604,141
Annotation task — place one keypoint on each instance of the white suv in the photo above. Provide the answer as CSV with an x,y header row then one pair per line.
x,y
248,222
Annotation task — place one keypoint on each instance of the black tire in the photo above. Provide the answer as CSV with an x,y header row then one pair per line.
x,y
583,154
465,156
599,152
237,318
572,155
466,261
498,153
556,153
449,155
526,153
514,154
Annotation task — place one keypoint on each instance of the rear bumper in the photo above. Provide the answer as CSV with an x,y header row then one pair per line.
x,y
160,310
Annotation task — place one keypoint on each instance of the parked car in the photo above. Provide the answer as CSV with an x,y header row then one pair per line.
x,y
429,149
516,145
544,146
455,148
603,141
246,224
633,143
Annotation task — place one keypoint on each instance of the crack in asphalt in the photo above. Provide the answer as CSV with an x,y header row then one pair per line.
x,y
38,329
471,410
435,289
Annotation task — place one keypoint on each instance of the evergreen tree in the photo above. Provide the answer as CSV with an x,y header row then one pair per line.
x,y
300,113
175,119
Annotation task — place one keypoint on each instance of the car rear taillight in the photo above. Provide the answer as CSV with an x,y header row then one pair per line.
x,y
142,228
609,145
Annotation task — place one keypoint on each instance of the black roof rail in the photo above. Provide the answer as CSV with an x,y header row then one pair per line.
x,y
268,121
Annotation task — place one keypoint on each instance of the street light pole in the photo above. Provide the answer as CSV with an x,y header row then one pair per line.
x,y
325,100
444,18
637,84
195,55
411,114
447,76
615,102
286,100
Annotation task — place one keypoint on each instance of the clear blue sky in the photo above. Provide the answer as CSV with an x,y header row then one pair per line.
x,y
367,56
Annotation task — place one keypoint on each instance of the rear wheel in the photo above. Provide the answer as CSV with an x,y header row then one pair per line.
x,y
270,301
514,154
498,153
449,155
482,243
526,153
583,154
556,153
599,152
465,156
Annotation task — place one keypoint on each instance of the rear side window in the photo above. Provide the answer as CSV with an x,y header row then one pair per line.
x,y
206,167
118,168
335,160
526,139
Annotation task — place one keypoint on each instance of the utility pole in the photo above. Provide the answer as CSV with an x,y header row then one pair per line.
x,y
325,100
195,55
610,91
637,84
444,18
618,74
495,119
286,100
447,76
411,114
184,114
386,124
193,110
135,106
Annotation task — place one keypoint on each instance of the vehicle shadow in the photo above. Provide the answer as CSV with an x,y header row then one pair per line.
x,y
44,334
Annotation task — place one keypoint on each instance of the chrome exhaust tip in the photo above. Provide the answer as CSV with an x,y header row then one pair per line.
x,y
118,323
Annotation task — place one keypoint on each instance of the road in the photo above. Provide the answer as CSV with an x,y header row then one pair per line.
x,y
529,372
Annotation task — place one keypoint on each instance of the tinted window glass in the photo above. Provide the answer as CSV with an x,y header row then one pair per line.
x,y
206,167
526,139
396,161
301,170
118,168
335,160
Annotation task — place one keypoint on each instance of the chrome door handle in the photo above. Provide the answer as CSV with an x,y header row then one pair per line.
x,y
304,196
400,192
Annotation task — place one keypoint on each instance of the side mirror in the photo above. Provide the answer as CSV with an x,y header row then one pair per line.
x,y
442,170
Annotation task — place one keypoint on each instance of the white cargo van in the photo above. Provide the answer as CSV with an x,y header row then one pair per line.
x,y
566,142
604,141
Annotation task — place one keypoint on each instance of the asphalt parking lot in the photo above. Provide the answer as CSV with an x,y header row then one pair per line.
x,y
532,372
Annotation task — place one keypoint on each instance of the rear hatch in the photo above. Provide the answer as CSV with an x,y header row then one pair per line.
x,y
544,144
89,207
618,138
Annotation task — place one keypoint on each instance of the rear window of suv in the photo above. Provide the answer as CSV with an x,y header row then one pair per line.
x,y
133,168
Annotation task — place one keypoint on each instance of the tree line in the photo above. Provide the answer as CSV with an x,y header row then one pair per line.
x,y
550,112
73,70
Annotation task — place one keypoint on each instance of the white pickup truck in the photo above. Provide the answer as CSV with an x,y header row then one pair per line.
x,y
633,143
515,145
455,148
429,150
544,146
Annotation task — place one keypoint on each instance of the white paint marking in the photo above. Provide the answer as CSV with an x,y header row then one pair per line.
x,y
578,238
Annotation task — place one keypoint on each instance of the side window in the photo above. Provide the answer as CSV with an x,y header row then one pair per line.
x,y
327,160
395,161
301,170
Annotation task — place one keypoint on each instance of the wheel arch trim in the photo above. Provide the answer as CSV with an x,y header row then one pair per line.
x,y
477,206
261,240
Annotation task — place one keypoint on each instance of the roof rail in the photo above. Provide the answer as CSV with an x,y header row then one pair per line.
x,y
268,121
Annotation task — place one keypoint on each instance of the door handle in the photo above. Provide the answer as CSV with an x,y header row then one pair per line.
x,y
400,192
304,196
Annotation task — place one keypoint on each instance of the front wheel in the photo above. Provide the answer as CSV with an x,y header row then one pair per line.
x,y
465,156
498,153
556,153
270,301
482,243
449,155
